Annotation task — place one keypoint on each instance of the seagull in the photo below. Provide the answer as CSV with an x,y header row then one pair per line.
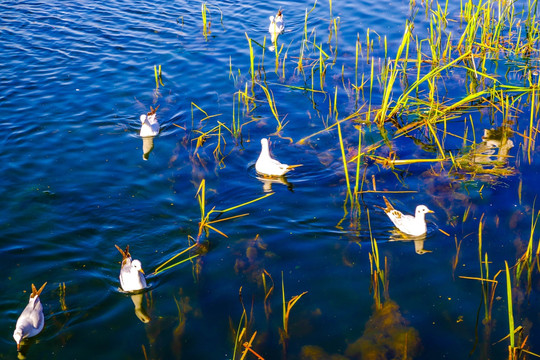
x,y
410,225
131,274
150,126
268,166
276,27
31,321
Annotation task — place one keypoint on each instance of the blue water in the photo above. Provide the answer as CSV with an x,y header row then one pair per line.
x,y
75,76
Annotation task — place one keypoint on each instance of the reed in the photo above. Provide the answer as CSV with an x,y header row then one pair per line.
x,y
164,267
206,23
511,328
242,328
268,290
526,261
344,159
251,62
248,345
488,285
377,274
157,76
273,108
62,296
206,224
392,75
286,308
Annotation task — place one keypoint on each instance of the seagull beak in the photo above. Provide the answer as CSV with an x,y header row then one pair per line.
x,y
142,271
18,346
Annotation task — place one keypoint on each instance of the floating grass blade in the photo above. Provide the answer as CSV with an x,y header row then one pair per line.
x,y
164,266
205,223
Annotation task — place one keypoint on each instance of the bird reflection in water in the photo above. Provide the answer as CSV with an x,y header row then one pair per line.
x,y
149,129
148,146
268,181
417,240
140,310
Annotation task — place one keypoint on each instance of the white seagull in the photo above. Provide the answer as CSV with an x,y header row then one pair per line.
x,y
131,274
31,321
276,27
410,225
149,124
268,166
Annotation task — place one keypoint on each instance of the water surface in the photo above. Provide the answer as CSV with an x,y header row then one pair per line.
x,y
75,76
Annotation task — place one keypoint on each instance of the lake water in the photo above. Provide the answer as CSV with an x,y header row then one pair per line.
x,y
76,76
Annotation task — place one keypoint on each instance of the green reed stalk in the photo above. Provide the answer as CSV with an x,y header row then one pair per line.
x,y
322,69
482,265
345,170
251,62
389,85
357,50
367,45
526,259
235,121
306,19
301,59
531,126
358,158
336,37
287,307
510,309
157,76
204,11
330,4
272,104
240,331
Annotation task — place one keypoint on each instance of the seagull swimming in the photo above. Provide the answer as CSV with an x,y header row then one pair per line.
x,y
31,321
131,274
150,126
276,27
410,225
268,166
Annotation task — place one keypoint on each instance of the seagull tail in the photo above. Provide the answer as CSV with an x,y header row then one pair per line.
x,y
153,111
389,206
37,292
125,254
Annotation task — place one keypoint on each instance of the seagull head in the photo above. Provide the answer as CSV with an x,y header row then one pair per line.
x,y
17,335
265,150
422,210
136,264
143,118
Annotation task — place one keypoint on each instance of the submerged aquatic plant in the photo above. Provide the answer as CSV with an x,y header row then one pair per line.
x,y
386,336
286,308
